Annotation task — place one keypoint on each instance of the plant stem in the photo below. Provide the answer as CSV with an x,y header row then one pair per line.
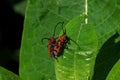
x,y
86,11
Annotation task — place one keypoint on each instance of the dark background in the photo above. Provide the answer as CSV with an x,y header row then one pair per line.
x,y
11,27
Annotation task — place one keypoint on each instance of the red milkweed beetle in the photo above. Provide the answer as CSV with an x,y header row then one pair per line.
x,y
61,43
51,43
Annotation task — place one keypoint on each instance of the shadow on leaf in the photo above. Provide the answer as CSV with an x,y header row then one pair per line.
x,y
108,55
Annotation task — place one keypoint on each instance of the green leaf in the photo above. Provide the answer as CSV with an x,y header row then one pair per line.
x,y
104,15
7,75
115,72
108,55
40,19
77,62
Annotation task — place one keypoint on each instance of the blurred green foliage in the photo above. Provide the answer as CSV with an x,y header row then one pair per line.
x,y
40,18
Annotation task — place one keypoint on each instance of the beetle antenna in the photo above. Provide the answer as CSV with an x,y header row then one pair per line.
x,y
44,39
56,26
64,30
